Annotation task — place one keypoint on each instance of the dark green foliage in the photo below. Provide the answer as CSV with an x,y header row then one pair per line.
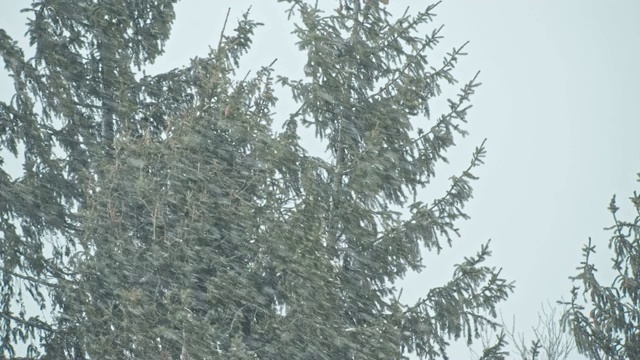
x,y
496,352
608,327
81,74
184,224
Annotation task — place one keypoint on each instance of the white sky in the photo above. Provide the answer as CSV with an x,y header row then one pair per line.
x,y
559,106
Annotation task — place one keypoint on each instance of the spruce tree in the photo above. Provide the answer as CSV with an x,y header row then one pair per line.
x,y
368,87
605,319
69,99
185,226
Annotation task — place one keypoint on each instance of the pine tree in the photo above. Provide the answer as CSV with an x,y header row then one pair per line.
x,y
186,227
607,326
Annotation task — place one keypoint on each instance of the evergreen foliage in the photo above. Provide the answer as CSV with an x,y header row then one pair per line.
x,y
608,326
162,217
551,340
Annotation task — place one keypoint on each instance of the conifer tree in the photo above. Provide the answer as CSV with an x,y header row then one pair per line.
x,y
366,108
69,99
608,325
187,227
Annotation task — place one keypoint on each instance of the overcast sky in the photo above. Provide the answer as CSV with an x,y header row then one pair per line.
x,y
559,106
